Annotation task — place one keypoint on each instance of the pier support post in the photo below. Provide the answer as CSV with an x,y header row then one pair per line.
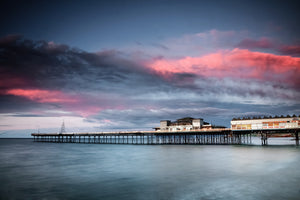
x,y
297,138
264,139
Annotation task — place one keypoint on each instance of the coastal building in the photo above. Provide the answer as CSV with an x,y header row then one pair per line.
x,y
184,124
265,123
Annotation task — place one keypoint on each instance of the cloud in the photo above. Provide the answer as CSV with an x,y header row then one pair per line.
x,y
236,63
9,39
41,64
68,78
293,50
42,96
265,43
262,43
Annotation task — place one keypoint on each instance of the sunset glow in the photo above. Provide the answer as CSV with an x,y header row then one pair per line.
x,y
234,63
42,96
126,65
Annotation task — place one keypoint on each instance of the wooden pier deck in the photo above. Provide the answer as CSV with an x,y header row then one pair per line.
x,y
201,137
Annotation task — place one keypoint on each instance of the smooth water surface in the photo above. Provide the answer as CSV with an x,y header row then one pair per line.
x,y
32,170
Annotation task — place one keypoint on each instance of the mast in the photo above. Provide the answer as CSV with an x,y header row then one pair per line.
x,y
62,128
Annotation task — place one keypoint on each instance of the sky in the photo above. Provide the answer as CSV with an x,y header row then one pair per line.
x,y
126,65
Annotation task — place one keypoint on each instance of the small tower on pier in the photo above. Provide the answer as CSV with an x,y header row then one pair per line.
x,y
62,128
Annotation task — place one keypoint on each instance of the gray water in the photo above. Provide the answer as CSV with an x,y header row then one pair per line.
x,y
32,170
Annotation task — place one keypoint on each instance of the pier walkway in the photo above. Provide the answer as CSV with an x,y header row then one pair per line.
x,y
201,137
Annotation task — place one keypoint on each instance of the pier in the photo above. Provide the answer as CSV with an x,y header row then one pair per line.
x,y
207,137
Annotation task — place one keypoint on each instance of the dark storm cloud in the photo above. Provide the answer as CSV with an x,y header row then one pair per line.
x,y
293,50
54,66
184,79
217,89
267,43
37,70
35,63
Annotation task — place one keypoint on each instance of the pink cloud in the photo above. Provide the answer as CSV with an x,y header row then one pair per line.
x,y
42,96
74,104
79,104
240,63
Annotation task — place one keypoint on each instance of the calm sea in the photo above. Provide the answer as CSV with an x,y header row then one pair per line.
x,y
32,170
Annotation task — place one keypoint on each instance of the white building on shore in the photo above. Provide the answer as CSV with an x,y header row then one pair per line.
x,y
265,123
